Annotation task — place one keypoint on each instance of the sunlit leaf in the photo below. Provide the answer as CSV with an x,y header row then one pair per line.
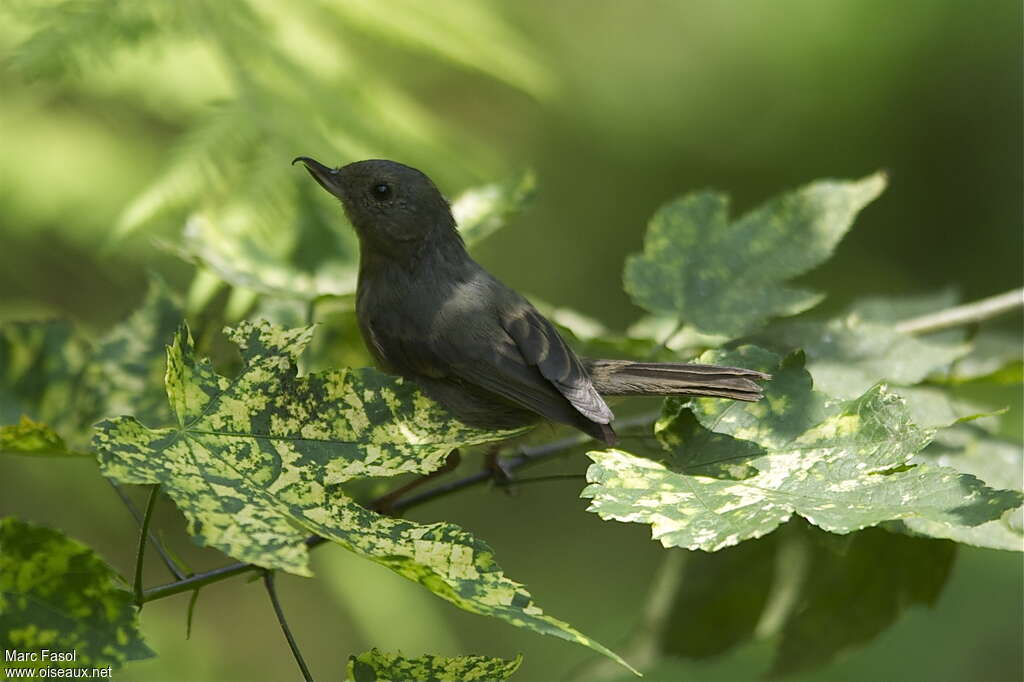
x,y
256,460
995,461
841,465
481,211
379,666
933,408
57,594
727,277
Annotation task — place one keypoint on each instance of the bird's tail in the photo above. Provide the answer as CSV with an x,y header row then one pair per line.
x,y
625,377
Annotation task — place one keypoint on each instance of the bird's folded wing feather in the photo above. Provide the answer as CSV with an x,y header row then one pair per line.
x,y
543,347
527,363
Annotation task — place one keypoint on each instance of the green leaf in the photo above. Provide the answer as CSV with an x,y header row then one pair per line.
x,y
481,211
995,356
40,368
728,277
848,355
126,370
971,449
935,408
57,594
379,666
255,464
841,465
53,386
29,437
894,309
40,363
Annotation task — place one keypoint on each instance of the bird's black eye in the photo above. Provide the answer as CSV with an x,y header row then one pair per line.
x,y
381,191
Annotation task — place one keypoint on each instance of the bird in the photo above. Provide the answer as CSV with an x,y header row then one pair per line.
x,y
430,313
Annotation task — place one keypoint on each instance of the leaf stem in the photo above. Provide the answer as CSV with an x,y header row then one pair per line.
x,y
143,539
171,565
967,313
268,580
527,456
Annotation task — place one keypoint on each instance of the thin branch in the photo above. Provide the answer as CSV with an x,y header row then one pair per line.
x,y
527,456
169,562
143,538
268,580
198,580
964,314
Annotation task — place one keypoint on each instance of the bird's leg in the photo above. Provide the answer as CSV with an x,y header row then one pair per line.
x,y
383,504
494,464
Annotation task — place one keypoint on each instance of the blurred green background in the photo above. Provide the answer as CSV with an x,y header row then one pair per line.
x,y
120,120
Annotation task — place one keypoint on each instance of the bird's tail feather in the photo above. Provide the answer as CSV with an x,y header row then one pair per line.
x,y
624,377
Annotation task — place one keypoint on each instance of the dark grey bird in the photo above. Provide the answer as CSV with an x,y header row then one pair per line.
x,y
429,312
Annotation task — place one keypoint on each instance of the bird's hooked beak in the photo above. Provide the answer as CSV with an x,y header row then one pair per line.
x,y
328,178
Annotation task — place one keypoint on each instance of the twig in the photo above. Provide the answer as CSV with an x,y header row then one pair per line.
x,y
143,538
198,580
268,580
527,456
964,314
171,565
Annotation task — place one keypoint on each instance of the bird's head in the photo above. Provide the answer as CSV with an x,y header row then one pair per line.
x,y
391,205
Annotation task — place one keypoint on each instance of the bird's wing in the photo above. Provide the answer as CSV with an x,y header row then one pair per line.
x,y
543,347
523,359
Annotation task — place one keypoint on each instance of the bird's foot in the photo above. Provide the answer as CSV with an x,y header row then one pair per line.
x,y
495,464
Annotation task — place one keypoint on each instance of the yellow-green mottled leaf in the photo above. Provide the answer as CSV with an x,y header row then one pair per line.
x,y
256,460
57,594
125,371
40,367
29,437
841,465
726,277
54,385
380,666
